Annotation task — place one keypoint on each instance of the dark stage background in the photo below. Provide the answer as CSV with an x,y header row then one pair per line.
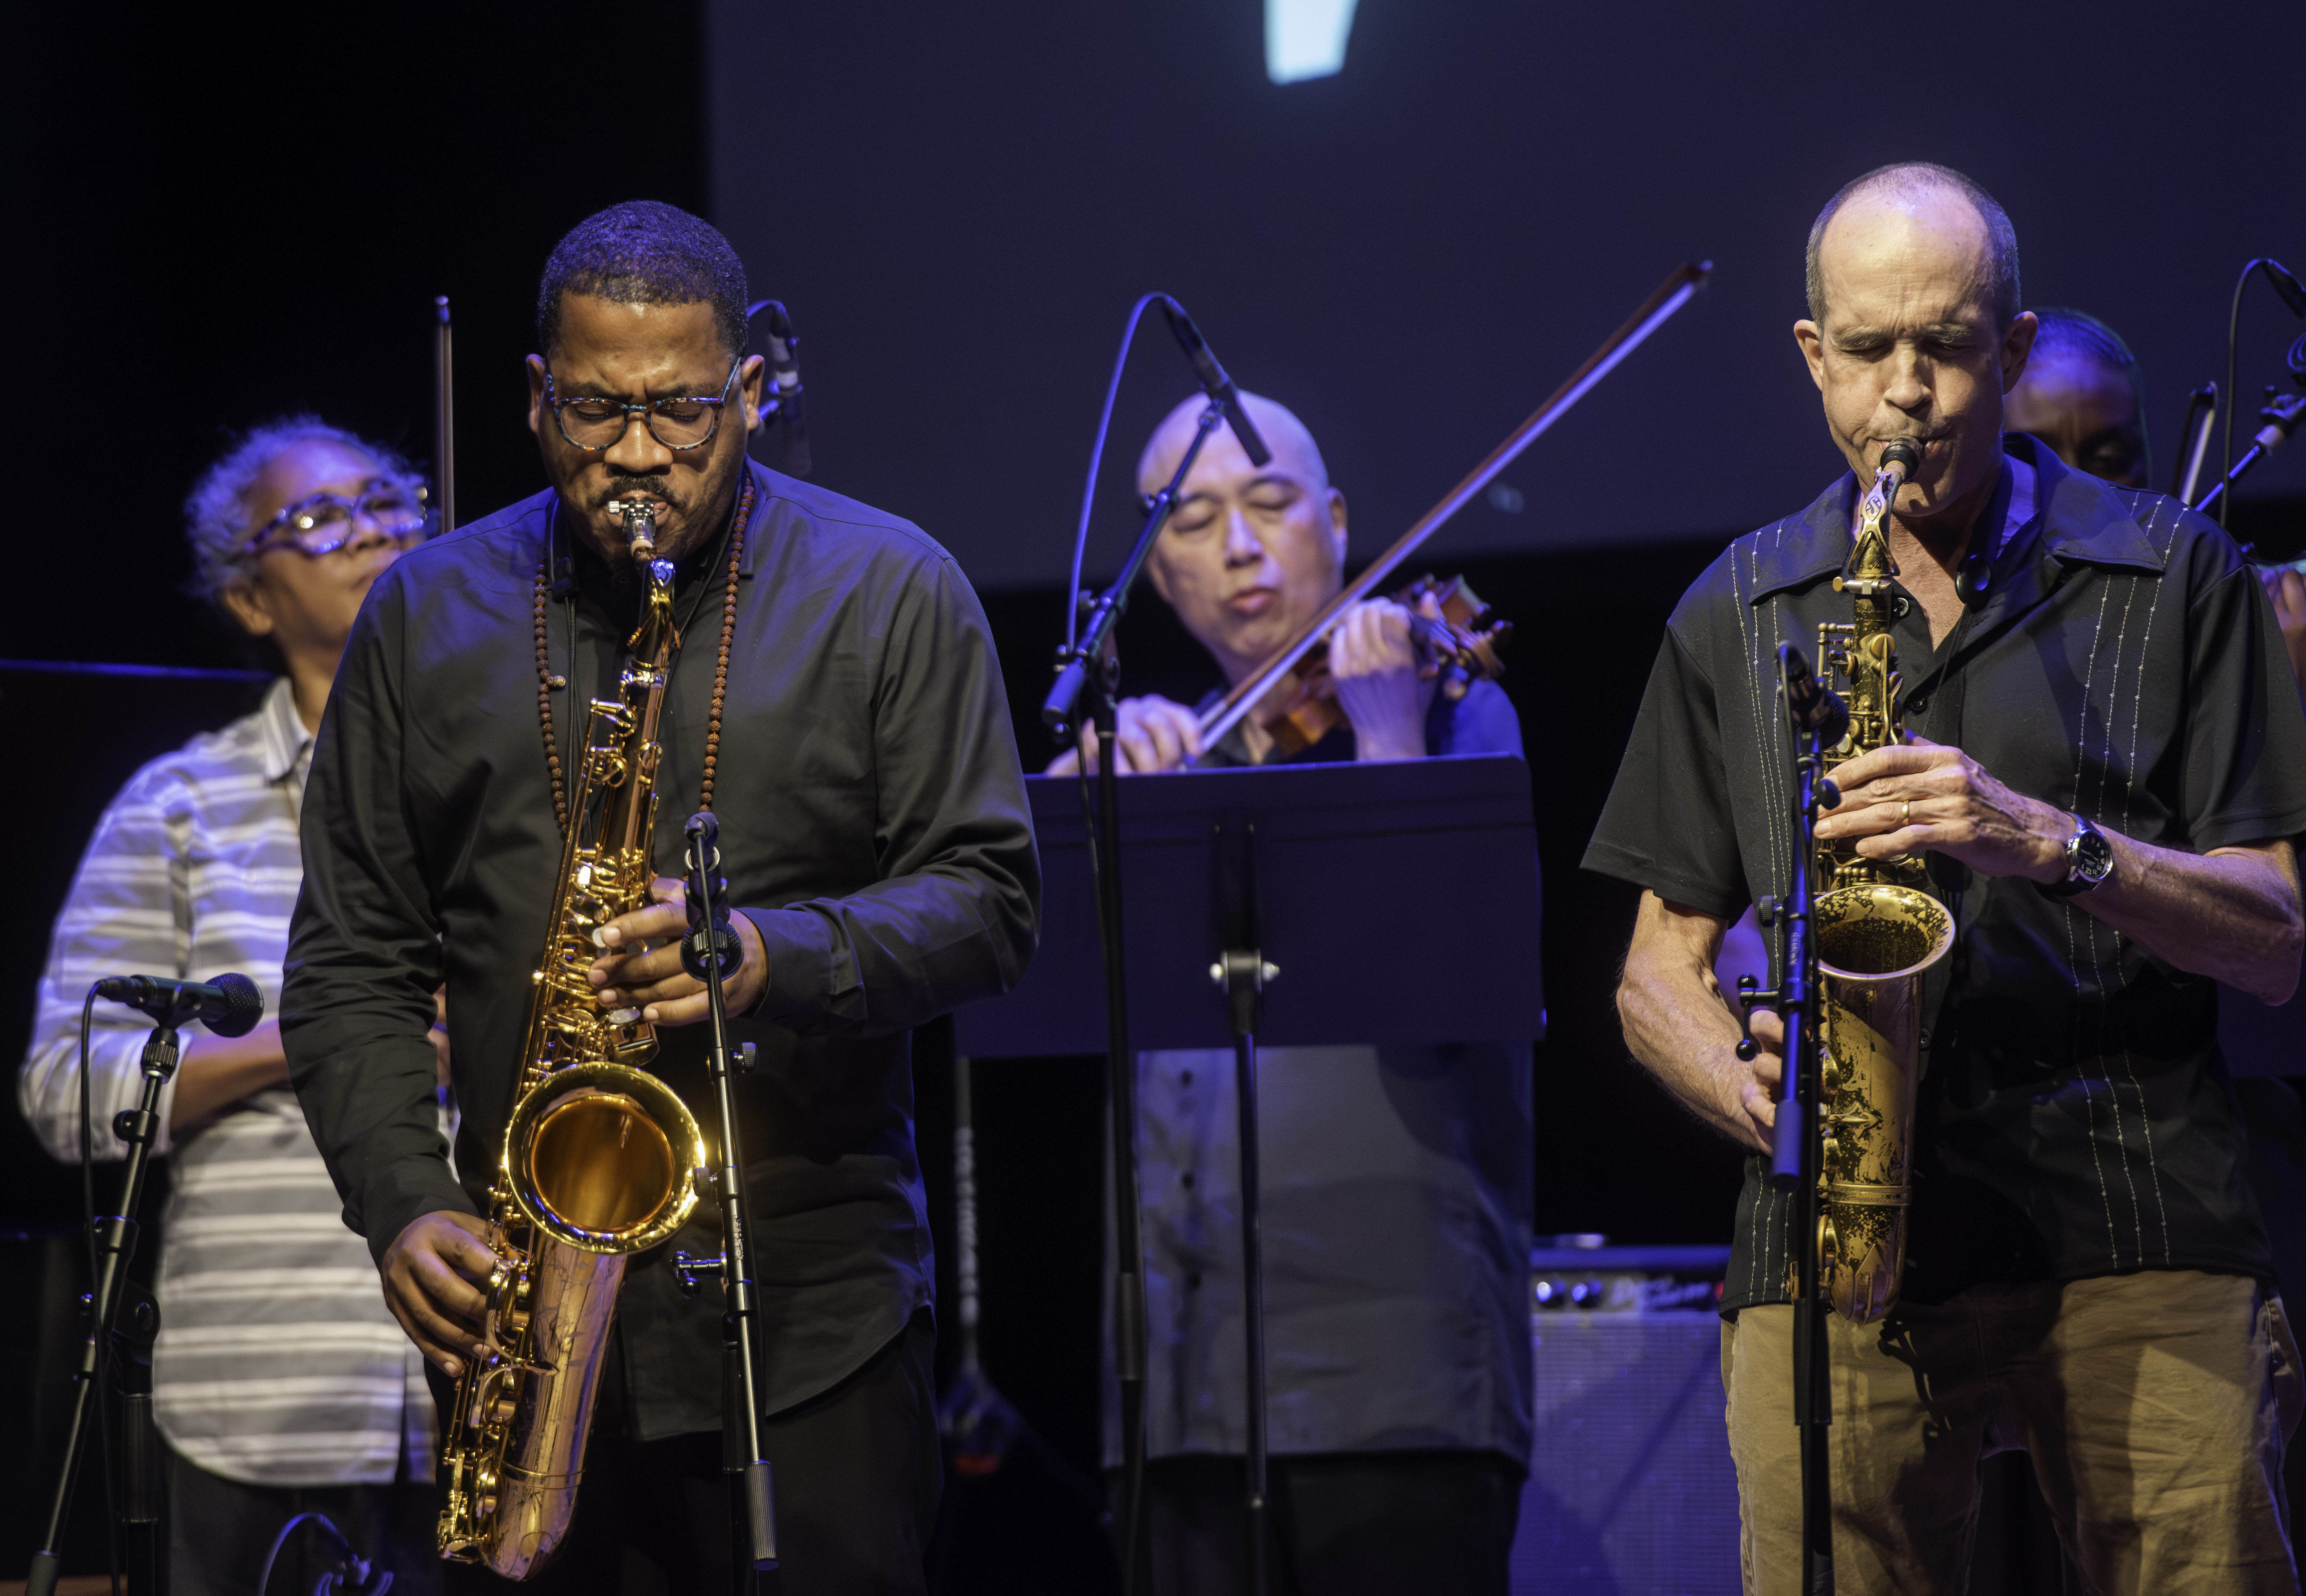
x,y
230,221
961,203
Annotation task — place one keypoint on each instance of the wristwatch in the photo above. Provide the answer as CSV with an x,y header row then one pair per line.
x,y
2089,861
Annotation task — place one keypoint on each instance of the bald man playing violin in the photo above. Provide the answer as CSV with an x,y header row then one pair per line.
x,y
1397,1183
1249,556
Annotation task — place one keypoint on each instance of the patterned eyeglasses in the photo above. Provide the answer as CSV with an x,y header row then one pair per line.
x,y
593,424
320,524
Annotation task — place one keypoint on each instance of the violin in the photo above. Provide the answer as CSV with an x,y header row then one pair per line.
x,y
1455,637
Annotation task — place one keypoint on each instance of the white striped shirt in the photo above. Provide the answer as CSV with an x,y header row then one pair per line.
x,y
277,1362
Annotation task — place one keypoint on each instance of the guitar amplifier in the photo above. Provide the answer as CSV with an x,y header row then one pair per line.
x,y
1630,1485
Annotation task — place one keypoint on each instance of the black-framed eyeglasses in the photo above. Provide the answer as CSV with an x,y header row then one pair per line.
x,y
321,524
593,424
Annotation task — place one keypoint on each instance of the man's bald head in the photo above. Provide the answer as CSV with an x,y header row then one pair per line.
x,y
1282,432
1919,189
1251,552
1917,335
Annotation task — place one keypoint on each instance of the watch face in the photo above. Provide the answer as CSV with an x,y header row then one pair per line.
x,y
2093,857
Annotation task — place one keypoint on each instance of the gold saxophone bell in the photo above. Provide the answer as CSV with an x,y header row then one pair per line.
x,y
1873,941
600,1157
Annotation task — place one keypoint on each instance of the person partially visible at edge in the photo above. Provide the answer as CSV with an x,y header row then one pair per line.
x,y
874,833
2082,394
281,1383
2088,1277
1396,1182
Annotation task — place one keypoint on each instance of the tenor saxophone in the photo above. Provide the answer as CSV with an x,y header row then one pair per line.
x,y
600,1158
1877,930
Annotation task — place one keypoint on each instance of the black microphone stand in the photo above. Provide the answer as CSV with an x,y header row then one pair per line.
x,y
710,948
2282,415
1818,720
1060,711
140,1455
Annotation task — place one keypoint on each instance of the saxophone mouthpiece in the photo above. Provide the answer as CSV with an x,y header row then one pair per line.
x,y
1903,455
639,516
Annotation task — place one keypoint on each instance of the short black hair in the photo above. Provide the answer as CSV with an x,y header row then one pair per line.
x,y
2077,335
645,253
1915,177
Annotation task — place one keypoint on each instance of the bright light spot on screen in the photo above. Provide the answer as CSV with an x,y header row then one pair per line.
x,y
1306,38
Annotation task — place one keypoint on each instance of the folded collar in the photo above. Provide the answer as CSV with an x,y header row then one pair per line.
x,y
280,731
2082,520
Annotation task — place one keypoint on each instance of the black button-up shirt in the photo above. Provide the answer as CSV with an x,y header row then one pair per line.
x,y
873,826
2122,662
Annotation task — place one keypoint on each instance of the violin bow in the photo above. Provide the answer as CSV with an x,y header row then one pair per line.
x,y
1670,296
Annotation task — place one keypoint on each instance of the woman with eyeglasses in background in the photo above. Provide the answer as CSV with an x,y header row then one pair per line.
x,y
282,1383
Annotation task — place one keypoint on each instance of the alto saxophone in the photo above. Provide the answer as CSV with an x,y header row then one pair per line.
x,y
1878,929
600,1159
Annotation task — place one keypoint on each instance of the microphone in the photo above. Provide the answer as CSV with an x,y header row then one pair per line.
x,y
789,406
2286,286
230,1006
1215,382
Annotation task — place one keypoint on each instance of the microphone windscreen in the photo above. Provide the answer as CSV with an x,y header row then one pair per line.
x,y
244,1006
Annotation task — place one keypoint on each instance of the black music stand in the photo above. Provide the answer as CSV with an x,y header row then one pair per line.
x,y
1301,905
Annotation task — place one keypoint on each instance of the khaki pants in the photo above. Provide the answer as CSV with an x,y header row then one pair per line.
x,y
2155,1407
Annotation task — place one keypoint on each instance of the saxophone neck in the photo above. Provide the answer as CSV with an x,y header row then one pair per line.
x,y
1871,567
655,632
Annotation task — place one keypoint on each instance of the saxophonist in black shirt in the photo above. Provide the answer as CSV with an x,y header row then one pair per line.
x,y
2107,773
837,690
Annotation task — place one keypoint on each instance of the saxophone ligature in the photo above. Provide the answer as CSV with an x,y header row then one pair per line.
x,y
600,1159
1877,930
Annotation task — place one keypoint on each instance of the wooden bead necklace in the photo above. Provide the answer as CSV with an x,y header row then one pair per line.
x,y
546,682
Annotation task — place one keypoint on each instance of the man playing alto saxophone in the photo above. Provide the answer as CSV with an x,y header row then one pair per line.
x,y
838,696
2106,771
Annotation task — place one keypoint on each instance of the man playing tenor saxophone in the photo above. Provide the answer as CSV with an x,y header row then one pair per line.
x,y
2105,769
837,702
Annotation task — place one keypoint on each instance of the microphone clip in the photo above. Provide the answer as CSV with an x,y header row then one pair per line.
x,y
711,940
